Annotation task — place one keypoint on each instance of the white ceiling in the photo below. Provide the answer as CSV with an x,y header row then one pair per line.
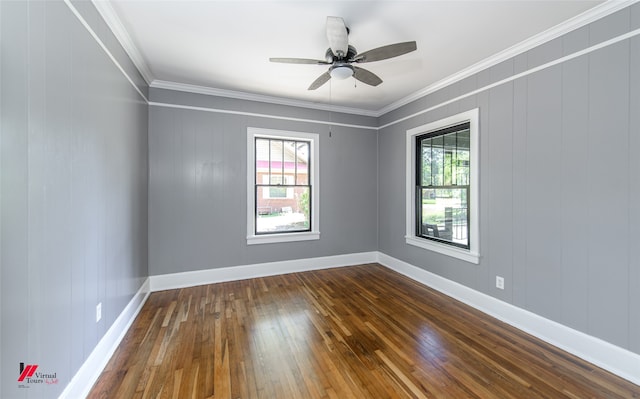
x,y
226,45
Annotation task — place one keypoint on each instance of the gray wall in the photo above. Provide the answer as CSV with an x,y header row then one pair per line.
x,y
73,179
559,186
197,183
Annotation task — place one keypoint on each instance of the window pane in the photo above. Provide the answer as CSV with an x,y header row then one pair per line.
x,y
290,162
289,151
276,161
283,214
426,162
290,158
262,155
449,158
444,215
462,157
302,163
437,161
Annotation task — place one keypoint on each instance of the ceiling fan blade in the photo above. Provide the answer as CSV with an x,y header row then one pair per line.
x,y
299,61
322,79
385,52
338,36
365,76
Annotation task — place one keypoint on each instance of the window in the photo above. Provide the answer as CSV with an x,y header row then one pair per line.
x,y
282,187
442,185
442,180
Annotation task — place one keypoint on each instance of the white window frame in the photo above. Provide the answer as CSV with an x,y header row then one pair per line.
x,y
314,180
472,254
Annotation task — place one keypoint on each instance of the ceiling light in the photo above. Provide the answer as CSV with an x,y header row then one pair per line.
x,y
341,72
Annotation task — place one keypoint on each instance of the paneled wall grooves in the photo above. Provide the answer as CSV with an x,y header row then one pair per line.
x,y
73,178
568,262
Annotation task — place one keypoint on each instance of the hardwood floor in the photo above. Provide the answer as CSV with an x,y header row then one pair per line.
x,y
356,332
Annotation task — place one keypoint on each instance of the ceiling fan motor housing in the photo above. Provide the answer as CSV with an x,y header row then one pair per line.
x,y
330,57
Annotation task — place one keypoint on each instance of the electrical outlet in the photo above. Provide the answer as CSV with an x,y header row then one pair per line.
x,y
500,282
98,312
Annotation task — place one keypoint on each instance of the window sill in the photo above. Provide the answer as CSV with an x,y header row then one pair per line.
x,y
283,237
462,254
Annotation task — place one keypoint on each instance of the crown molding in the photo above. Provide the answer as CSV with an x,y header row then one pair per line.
x,y
113,22
580,20
600,11
162,84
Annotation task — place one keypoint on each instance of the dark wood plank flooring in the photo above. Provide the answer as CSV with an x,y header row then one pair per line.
x,y
355,332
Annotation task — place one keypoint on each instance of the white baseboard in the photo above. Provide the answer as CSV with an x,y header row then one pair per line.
x,y
233,273
619,361
90,371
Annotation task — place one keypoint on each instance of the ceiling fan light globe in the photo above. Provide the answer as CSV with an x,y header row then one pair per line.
x,y
341,72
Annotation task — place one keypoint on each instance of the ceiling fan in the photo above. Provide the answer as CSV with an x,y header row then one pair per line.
x,y
341,56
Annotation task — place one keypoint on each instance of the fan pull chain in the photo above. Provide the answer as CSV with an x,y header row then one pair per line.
x,y
330,120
